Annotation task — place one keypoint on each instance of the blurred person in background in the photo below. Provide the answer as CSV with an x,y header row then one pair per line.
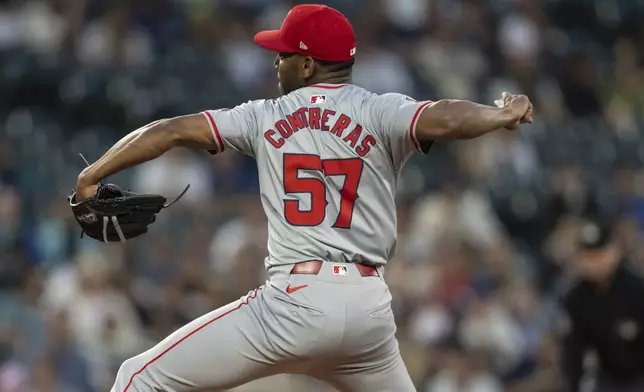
x,y
248,229
464,373
47,30
54,237
44,379
605,312
65,356
112,40
456,212
580,86
489,327
102,319
625,98
172,172
22,321
10,205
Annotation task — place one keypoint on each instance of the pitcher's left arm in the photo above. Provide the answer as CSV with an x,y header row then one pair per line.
x,y
145,144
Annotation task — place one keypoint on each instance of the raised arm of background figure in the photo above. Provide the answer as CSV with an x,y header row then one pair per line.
x,y
146,144
454,119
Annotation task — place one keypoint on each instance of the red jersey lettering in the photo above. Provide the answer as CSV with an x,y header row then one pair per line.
x,y
325,119
340,125
269,135
365,146
314,118
352,138
283,128
295,121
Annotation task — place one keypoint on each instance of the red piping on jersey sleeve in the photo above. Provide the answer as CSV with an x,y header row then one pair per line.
x,y
242,303
215,131
414,122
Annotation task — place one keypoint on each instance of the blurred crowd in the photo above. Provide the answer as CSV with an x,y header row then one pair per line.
x,y
486,226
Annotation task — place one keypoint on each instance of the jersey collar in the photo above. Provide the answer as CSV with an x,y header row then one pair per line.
x,y
328,85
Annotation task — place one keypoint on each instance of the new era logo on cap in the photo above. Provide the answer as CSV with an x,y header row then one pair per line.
x,y
303,46
318,99
339,269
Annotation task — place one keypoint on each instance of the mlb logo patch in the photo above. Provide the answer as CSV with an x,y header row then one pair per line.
x,y
318,99
339,269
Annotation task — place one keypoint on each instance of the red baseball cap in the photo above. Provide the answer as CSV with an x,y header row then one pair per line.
x,y
312,30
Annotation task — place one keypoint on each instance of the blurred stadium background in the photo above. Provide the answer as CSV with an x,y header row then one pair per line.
x,y
484,226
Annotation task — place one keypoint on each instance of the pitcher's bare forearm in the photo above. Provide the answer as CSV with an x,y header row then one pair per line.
x,y
455,119
148,143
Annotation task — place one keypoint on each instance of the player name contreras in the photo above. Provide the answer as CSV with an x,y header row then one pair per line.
x,y
318,119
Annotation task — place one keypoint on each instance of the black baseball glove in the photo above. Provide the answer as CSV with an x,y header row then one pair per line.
x,y
115,215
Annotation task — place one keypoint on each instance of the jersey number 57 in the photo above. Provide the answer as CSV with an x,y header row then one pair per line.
x,y
350,168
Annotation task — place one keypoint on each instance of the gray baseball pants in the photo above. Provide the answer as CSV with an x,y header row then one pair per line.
x,y
336,328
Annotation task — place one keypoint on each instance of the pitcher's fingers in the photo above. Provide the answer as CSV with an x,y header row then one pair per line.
x,y
527,119
528,113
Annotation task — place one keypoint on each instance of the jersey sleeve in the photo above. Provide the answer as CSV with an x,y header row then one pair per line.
x,y
235,128
394,117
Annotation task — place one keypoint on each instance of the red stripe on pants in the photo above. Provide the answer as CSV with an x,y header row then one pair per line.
x,y
251,296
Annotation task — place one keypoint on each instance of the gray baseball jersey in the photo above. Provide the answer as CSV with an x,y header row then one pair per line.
x,y
329,157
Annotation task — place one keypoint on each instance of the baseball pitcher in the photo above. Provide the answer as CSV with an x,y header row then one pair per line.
x,y
329,155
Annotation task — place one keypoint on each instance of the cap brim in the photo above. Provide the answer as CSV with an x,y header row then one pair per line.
x,y
270,40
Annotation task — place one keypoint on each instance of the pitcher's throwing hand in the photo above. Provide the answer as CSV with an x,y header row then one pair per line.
x,y
520,104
